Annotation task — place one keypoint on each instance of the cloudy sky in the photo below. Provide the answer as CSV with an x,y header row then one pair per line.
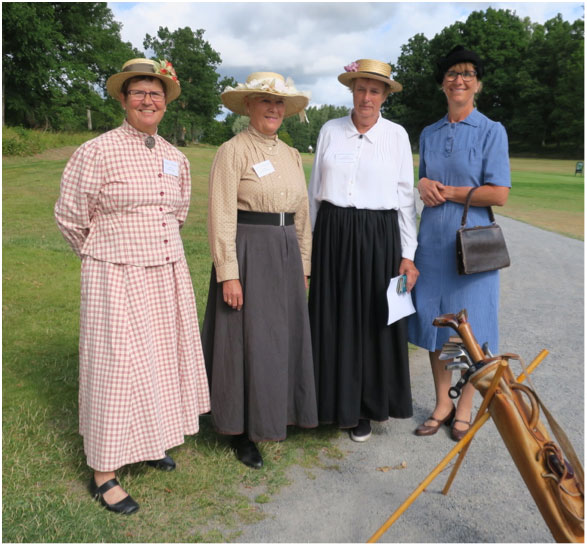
x,y
312,41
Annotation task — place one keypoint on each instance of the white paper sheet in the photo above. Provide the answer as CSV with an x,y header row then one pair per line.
x,y
400,305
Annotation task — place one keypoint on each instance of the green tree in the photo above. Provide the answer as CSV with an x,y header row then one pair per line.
x,y
239,123
195,63
420,101
306,134
56,59
551,111
533,81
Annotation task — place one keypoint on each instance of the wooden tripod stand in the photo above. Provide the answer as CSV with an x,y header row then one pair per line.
x,y
462,446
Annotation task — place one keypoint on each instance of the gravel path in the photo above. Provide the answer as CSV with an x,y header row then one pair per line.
x,y
541,307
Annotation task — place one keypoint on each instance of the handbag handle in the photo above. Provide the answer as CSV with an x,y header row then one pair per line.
x,y
468,202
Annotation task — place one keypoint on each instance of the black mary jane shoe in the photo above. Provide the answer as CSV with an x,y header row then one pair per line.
x,y
246,451
167,464
125,506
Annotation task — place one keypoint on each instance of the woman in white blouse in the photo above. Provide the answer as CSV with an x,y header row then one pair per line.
x,y
364,233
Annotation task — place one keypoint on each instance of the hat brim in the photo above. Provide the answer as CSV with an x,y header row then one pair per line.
x,y
115,82
234,100
346,77
459,57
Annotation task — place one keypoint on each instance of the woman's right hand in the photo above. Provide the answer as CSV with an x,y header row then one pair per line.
x,y
232,293
431,192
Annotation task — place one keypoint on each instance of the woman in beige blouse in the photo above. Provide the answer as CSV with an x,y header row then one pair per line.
x,y
256,333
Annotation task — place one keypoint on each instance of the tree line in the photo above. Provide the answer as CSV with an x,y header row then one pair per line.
x,y
57,57
533,83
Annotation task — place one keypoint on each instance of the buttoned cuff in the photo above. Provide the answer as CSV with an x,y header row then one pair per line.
x,y
227,272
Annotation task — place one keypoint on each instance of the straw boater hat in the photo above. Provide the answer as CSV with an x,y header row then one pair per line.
x,y
163,70
368,68
269,83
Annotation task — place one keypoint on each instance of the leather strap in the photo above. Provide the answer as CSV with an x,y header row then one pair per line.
x,y
563,441
107,486
466,210
558,432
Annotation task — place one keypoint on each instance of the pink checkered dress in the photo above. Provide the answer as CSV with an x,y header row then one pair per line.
x,y
143,382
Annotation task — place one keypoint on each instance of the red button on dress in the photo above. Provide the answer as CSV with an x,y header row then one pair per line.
x,y
162,193
163,224
159,175
167,258
165,241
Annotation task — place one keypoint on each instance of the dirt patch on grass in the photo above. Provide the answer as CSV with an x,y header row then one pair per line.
x,y
56,154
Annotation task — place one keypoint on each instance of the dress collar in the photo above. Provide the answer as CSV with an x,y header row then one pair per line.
x,y
135,133
371,135
473,119
268,143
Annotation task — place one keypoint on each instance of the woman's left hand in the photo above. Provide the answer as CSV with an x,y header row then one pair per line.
x,y
408,268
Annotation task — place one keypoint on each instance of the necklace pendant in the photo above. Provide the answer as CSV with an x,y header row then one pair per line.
x,y
150,142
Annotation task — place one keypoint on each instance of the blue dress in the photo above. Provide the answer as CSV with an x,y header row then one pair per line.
x,y
471,152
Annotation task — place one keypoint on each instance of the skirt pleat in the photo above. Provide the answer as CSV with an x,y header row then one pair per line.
x,y
361,364
259,359
143,381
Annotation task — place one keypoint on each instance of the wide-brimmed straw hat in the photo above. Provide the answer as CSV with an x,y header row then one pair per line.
x,y
368,68
269,83
162,69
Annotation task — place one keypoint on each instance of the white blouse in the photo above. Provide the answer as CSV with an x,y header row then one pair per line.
x,y
373,171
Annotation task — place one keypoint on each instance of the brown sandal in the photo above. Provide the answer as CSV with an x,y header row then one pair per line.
x,y
456,434
429,430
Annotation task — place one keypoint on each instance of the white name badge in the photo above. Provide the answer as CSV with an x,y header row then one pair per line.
x,y
264,168
171,167
344,158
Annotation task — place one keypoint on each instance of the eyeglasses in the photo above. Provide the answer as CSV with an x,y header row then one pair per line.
x,y
467,75
136,94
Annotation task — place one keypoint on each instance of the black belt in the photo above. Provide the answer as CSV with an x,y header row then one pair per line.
x,y
266,218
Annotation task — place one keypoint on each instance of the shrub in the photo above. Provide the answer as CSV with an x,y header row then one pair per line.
x,y
18,141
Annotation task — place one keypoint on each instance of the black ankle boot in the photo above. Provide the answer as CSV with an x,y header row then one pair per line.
x,y
167,464
246,451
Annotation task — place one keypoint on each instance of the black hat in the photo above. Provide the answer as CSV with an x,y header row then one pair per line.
x,y
459,55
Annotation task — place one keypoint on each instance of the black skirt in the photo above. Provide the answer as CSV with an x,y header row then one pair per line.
x,y
360,364
259,359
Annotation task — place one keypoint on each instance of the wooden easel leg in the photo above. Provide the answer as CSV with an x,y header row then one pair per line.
x,y
484,405
439,468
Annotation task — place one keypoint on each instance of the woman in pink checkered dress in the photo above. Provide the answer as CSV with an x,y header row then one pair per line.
x,y
124,197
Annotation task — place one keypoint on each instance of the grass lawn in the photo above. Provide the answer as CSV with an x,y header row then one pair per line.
x,y
210,496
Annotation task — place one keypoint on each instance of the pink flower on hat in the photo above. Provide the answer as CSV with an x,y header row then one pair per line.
x,y
353,67
165,68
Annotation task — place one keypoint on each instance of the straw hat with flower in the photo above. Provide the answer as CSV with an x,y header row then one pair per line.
x,y
269,83
368,68
162,69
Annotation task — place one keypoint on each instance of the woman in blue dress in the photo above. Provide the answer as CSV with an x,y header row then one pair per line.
x,y
462,150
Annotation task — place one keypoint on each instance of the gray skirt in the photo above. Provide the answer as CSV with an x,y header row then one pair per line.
x,y
259,359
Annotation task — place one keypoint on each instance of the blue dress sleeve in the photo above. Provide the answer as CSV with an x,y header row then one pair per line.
x,y
496,160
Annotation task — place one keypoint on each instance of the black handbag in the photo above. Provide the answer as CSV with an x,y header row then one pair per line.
x,y
480,248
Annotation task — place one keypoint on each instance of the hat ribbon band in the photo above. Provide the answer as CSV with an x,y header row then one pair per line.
x,y
139,67
375,74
